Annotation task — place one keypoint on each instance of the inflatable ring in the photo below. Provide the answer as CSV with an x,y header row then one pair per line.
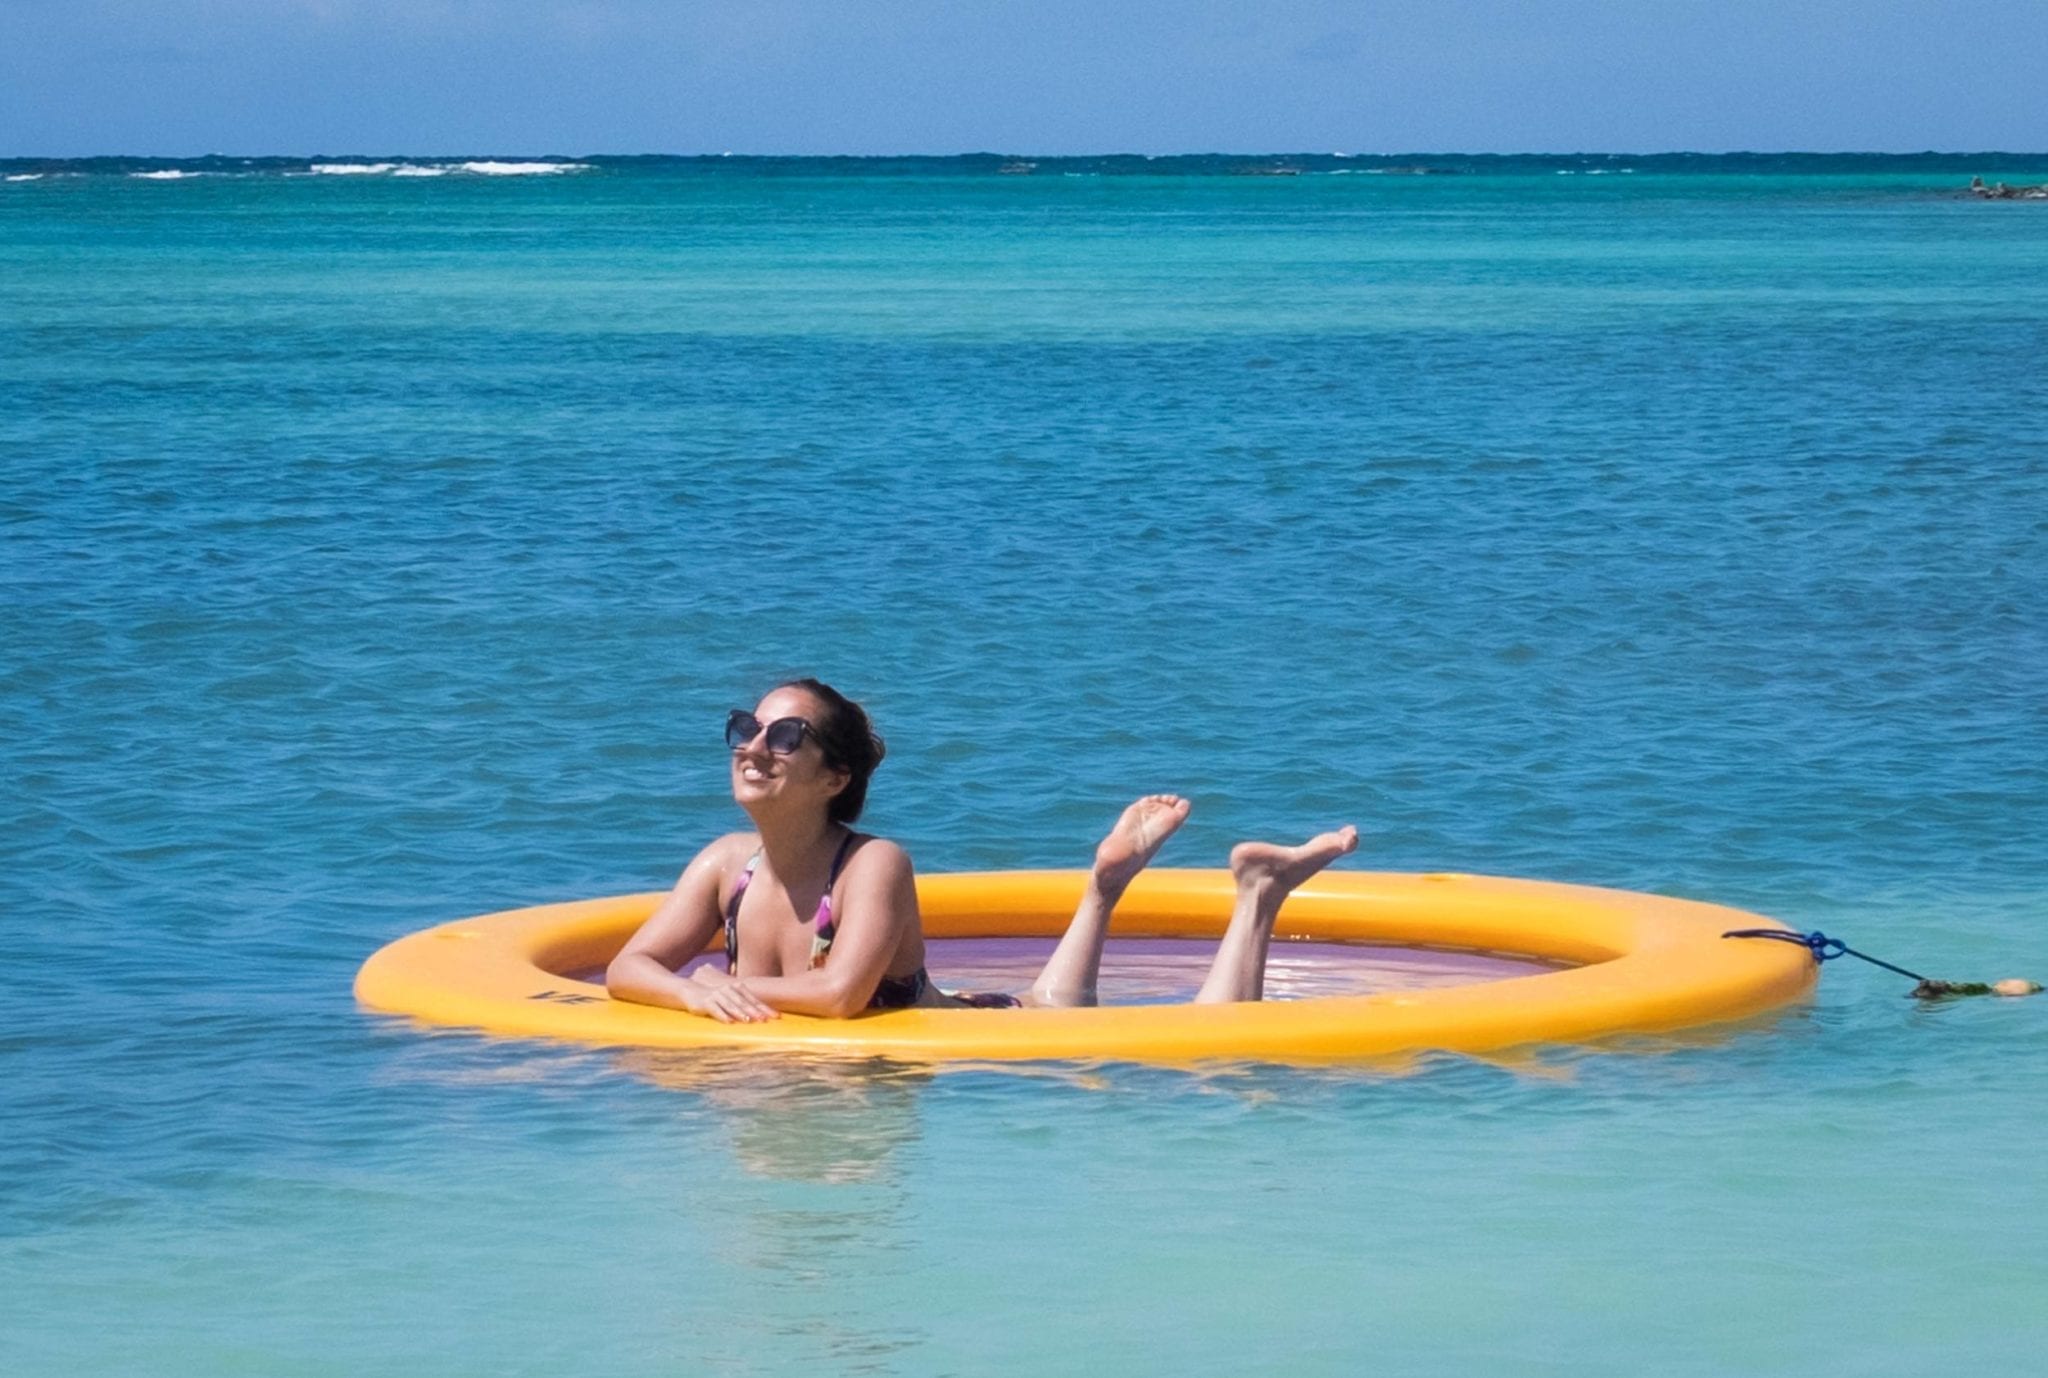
x,y
1633,963
1630,963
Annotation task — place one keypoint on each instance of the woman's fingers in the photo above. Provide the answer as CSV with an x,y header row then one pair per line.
x,y
733,1003
760,1008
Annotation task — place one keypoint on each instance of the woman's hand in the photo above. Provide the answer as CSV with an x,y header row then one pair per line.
x,y
730,1002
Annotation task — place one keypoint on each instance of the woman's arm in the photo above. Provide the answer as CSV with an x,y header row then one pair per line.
x,y
877,906
682,927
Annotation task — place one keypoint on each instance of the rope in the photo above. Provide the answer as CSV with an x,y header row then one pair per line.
x,y
1822,947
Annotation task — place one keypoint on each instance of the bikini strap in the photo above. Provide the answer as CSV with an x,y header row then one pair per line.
x,y
828,924
732,915
839,862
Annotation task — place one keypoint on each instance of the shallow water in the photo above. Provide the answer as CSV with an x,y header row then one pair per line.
x,y
383,550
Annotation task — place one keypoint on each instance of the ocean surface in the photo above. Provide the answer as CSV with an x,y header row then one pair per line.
x,y
379,547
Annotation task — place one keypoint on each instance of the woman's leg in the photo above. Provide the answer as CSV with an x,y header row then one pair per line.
x,y
1266,875
1069,976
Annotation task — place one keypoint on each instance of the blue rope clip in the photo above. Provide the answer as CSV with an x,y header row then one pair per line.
x,y
1822,947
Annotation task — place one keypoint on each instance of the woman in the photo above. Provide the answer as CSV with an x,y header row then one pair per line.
x,y
805,887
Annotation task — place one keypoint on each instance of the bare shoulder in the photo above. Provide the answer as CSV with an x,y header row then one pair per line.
x,y
879,856
736,845
724,855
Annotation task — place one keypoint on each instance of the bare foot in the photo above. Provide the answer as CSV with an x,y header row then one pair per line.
x,y
1269,866
1137,836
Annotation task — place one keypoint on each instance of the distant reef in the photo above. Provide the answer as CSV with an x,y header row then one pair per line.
x,y
1999,191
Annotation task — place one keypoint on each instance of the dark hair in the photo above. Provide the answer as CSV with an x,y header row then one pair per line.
x,y
850,744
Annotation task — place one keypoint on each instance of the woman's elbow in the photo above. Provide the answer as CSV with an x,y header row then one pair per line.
x,y
619,979
844,1001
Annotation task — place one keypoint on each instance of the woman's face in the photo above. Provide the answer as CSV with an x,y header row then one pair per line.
x,y
764,780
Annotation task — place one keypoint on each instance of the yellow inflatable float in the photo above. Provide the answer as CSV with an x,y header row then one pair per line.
x,y
1620,962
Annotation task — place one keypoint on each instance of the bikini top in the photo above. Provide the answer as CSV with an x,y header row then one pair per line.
x,y
823,927
891,992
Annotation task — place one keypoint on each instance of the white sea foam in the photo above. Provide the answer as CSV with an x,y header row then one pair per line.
x,y
419,170
23,176
168,174
351,169
490,169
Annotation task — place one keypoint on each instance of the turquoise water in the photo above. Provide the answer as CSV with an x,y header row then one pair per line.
x,y
380,550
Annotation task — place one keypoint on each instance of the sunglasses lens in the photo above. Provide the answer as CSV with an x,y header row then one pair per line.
x,y
785,735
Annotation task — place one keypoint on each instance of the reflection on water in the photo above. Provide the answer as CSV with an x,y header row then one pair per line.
x,y
821,1210
799,1118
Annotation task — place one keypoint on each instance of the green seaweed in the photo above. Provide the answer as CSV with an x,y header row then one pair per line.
x,y
1943,990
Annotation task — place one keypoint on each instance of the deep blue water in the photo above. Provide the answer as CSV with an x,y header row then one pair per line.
x,y
382,549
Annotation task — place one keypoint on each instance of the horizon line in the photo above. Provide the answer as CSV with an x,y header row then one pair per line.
x,y
1100,154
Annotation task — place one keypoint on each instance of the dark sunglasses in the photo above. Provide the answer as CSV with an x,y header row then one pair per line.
x,y
785,735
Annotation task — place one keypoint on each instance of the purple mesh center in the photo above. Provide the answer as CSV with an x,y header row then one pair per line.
x,y
1153,971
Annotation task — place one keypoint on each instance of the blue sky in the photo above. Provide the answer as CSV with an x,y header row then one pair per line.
x,y
186,77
